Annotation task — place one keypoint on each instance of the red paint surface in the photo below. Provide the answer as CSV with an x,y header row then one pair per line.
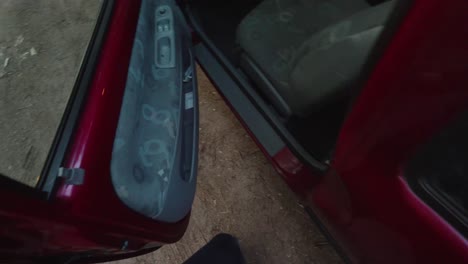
x,y
419,85
95,201
299,177
89,217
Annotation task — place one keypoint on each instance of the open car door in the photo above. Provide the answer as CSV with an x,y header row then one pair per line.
x,y
120,176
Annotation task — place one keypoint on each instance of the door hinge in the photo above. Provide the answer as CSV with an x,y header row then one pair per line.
x,y
73,176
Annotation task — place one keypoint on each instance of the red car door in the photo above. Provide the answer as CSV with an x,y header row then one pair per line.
x,y
120,177
371,198
374,199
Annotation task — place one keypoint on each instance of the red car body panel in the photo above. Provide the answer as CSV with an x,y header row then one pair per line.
x,y
417,87
96,200
88,218
364,201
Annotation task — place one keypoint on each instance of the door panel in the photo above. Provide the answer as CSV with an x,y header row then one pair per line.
x,y
84,214
154,155
106,215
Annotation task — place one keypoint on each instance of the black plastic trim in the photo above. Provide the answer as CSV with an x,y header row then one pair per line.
x,y
264,133
449,209
333,242
254,72
72,111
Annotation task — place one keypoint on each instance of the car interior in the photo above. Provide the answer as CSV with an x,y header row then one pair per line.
x,y
304,58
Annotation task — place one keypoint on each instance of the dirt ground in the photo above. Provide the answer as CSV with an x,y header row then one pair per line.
x,y
41,47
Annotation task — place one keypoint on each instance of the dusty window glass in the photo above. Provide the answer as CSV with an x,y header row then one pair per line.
x,y
42,44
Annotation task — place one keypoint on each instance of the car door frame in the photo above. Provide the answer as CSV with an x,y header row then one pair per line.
x,y
81,218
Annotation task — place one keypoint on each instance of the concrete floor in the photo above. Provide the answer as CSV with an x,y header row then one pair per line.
x,y
41,46
42,43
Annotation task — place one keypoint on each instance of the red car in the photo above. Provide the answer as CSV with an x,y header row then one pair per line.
x,y
360,105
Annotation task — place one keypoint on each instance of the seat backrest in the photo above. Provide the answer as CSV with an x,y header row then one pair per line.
x,y
330,61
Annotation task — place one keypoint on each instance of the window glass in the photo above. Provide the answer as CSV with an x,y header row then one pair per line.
x,y
42,44
441,169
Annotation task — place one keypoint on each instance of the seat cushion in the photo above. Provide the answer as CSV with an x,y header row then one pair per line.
x,y
272,34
